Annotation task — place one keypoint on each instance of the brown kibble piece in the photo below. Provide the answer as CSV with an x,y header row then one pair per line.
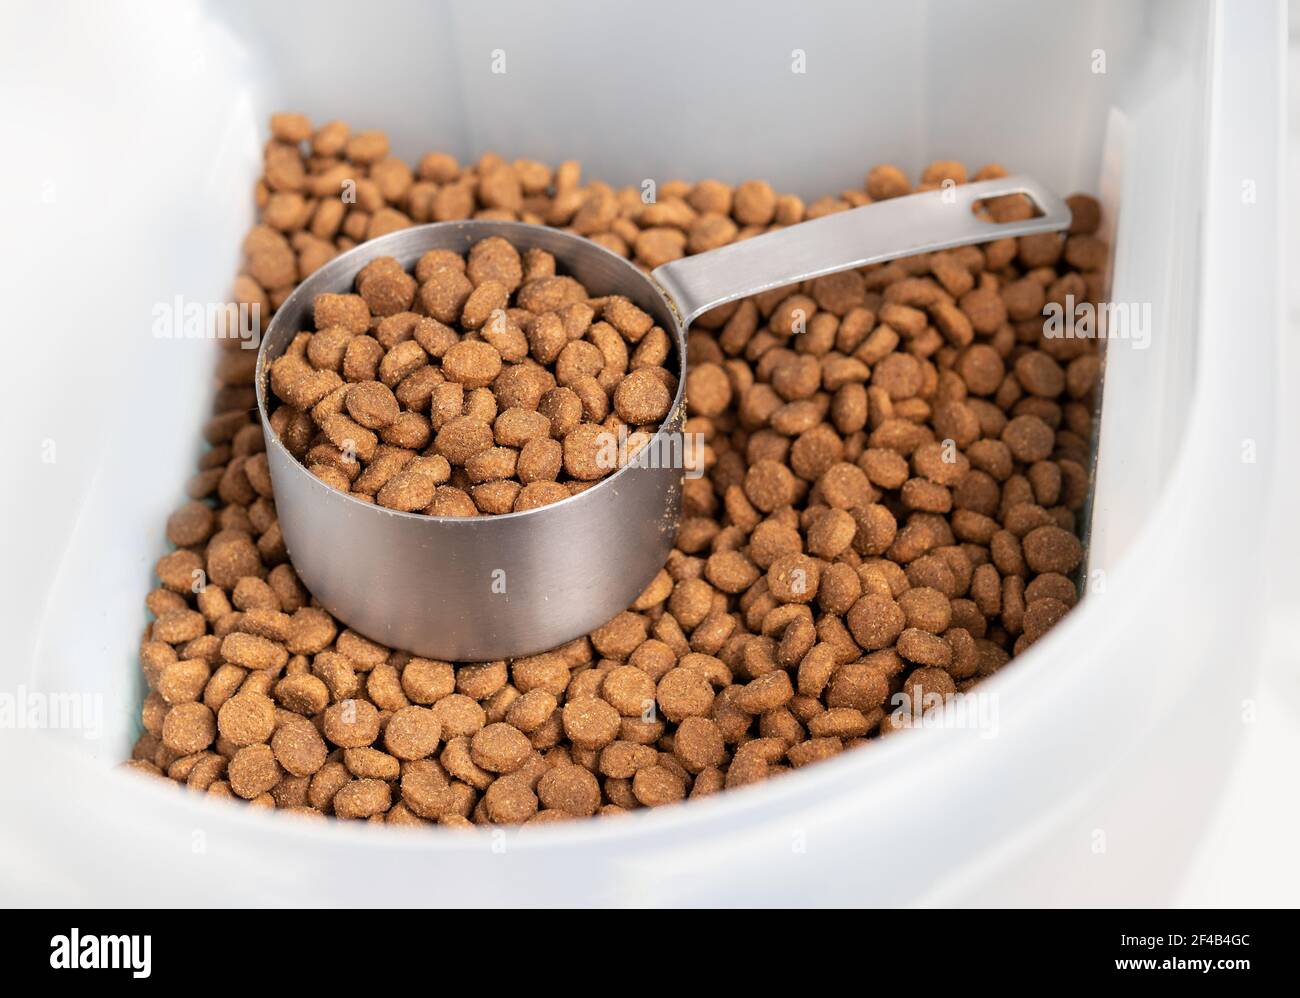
x,y
299,748
183,680
927,609
887,181
462,438
1029,438
769,485
642,397
876,621
472,363
698,744
590,723
1052,549
765,693
656,785
407,491
247,718
708,390
362,799
510,800
351,723
189,728
253,771
372,404
684,693
500,748
570,789
425,788
587,452
412,733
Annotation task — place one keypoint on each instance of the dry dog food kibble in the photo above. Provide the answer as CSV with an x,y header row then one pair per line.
x,y
895,463
466,387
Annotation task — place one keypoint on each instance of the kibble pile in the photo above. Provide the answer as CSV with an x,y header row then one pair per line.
x,y
895,466
509,389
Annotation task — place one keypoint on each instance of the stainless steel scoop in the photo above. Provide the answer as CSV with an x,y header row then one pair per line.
x,y
484,588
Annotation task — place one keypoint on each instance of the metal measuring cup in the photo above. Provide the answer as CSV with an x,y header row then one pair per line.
x,y
476,589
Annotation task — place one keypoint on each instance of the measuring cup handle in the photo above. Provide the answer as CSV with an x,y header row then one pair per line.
x,y
886,230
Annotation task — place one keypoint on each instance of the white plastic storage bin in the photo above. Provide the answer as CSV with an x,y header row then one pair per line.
x,y
135,139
